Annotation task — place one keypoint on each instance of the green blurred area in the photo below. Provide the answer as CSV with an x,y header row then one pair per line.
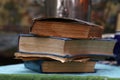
x,y
51,77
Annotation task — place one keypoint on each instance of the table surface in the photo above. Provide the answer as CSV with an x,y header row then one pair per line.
x,y
101,70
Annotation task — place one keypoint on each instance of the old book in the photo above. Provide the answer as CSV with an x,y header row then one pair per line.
x,y
68,28
32,56
65,48
43,66
29,56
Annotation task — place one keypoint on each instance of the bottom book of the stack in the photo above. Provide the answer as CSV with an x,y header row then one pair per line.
x,y
43,66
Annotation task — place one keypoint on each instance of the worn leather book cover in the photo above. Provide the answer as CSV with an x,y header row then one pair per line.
x,y
65,27
80,58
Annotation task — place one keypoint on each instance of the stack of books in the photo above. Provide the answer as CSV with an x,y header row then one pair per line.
x,y
63,45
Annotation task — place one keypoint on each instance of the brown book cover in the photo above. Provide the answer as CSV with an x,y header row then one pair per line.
x,y
64,27
58,67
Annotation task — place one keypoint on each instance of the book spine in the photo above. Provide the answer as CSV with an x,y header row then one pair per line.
x,y
116,50
34,65
33,21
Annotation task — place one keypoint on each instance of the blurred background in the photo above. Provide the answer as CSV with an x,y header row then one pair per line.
x,y
16,18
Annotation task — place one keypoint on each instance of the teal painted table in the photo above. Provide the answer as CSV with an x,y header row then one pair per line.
x,y
101,70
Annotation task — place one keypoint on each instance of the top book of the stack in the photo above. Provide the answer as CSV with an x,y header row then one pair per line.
x,y
66,28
